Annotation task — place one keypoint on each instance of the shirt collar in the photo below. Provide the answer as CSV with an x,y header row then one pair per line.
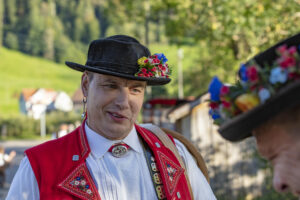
x,y
94,139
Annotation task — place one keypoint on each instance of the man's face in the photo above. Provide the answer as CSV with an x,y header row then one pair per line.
x,y
281,147
113,103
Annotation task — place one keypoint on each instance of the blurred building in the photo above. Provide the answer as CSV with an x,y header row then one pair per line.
x,y
35,102
77,100
156,111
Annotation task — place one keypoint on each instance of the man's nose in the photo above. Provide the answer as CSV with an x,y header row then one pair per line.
x,y
279,182
122,100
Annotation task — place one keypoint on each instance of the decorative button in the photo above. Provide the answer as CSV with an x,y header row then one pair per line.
x,y
153,167
156,178
75,157
119,150
160,192
157,144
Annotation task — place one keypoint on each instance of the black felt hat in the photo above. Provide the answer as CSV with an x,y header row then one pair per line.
x,y
288,96
117,56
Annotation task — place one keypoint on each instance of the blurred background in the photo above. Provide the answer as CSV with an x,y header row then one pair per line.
x,y
40,98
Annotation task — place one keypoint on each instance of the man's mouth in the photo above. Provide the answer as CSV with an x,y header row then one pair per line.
x,y
117,115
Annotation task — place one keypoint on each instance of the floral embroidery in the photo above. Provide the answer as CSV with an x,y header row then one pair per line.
x,y
256,85
170,171
154,66
80,184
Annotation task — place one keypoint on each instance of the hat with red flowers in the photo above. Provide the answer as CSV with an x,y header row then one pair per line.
x,y
125,57
268,84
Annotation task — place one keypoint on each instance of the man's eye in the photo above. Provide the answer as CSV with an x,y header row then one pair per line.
x,y
136,90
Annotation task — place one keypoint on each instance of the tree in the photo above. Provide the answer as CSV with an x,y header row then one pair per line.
x,y
91,29
8,10
11,41
48,15
103,20
227,33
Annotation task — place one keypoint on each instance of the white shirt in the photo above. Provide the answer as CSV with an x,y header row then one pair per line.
x,y
124,178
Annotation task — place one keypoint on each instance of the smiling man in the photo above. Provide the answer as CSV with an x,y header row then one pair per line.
x,y
265,103
110,156
116,101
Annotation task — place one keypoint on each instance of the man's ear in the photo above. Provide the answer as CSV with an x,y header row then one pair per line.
x,y
85,82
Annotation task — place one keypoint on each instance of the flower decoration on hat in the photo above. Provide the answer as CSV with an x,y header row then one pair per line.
x,y
255,86
154,66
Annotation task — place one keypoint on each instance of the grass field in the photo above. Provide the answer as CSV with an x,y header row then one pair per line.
x,y
18,71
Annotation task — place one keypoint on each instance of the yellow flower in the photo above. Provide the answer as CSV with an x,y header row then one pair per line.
x,y
141,61
246,102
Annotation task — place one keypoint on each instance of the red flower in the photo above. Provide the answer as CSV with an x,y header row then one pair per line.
x,y
150,74
294,76
144,70
253,87
155,61
160,66
292,50
288,62
145,61
226,104
282,49
213,105
252,74
153,69
224,90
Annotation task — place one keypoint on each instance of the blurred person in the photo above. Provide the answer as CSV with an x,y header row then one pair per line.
x,y
110,156
265,103
63,130
5,160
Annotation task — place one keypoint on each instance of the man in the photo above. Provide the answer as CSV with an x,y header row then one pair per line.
x,y
265,103
109,156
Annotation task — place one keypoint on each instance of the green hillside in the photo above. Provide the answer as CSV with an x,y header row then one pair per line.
x,y
18,71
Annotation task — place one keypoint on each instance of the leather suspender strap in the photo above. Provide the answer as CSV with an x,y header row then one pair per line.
x,y
164,138
192,149
154,172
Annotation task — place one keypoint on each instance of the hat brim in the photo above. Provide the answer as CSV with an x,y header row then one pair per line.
x,y
149,80
240,127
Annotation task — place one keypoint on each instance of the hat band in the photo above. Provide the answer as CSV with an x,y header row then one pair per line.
x,y
130,69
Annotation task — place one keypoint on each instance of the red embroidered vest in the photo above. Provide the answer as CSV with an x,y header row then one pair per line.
x,y
61,172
